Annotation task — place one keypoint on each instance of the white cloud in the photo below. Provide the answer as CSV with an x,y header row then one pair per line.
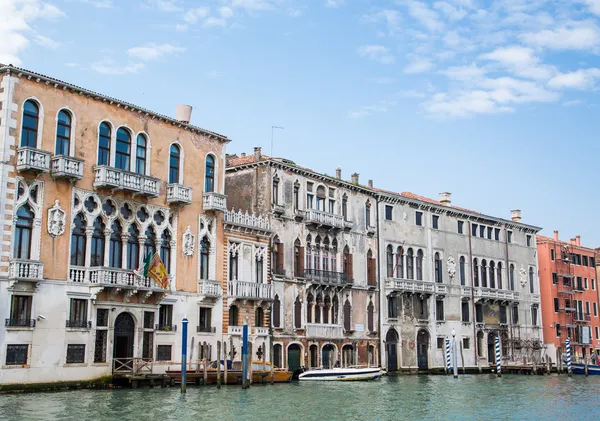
x,y
593,6
252,4
225,12
333,3
580,37
464,73
419,65
520,61
451,11
376,52
390,17
193,15
16,31
164,5
382,107
579,79
572,103
212,21
153,51
46,42
428,17
109,67
101,4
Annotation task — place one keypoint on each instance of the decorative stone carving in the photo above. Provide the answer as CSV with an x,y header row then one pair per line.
x,y
451,264
260,252
189,242
56,220
523,276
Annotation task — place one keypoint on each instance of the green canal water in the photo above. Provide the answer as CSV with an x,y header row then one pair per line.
x,y
393,398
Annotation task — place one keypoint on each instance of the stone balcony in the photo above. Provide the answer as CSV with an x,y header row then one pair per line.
x,y
67,167
111,277
32,159
179,194
495,294
249,290
324,219
324,331
209,289
325,277
235,330
214,202
117,179
371,230
409,285
26,270
261,331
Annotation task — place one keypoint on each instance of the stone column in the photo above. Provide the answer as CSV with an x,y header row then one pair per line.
x,y
172,269
124,238
88,252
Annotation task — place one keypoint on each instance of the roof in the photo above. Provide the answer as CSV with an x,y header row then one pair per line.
x,y
544,239
65,85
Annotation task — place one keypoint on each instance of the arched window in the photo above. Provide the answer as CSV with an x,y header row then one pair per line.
x,y
204,253
368,214
233,315
78,241
115,259
31,119
275,197
309,308
420,265
326,309
325,255
475,273
209,180
277,351
461,270
317,254
335,310
371,317
371,269
333,255
165,249
347,316
347,263
399,263
97,252
174,157
318,307
140,154
276,311
23,233
298,259
437,267
308,254
258,270
104,136
133,247
483,273
321,198
63,133
410,274
150,242
345,207
389,256
123,149
531,283
259,317
499,277
492,274
511,276
298,313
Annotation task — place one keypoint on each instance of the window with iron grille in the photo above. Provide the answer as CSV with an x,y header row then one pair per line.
x,y
515,315
440,342
148,345
75,354
466,343
148,319
100,346
20,312
102,317
163,353
16,354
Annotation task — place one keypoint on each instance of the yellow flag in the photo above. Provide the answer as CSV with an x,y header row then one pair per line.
x,y
158,272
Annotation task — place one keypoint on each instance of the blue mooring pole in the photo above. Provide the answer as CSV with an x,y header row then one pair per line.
x,y
568,346
448,365
245,356
184,323
498,357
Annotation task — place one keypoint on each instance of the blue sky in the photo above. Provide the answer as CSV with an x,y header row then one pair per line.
x,y
494,101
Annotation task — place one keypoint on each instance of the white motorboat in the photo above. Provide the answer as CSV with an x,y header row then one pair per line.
x,y
342,374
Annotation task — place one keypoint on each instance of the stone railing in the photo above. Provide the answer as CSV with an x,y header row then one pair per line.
x,y
441,289
209,288
249,290
535,298
324,218
326,277
235,330
261,331
496,294
29,270
316,330
178,193
115,178
246,219
409,285
465,291
29,158
67,167
214,202
109,276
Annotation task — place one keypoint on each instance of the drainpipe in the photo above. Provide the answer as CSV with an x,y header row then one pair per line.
x,y
473,296
379,276
508,311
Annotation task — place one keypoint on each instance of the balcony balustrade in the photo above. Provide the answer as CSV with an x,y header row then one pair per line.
x,y
235,330
117,179
248,220
209,288
325,219
104,276
409,285
33,159
214,202
67,167
249,290
261,331
19,323
496,294
324,331
326,277
179,194
26,270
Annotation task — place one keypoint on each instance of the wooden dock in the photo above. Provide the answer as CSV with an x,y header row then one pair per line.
x,y
137,372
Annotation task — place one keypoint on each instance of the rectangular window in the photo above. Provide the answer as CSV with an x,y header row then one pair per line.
x,y
502,315
439,310
597,333
479,313
419,218
440,342
592,262
489,233
102,317
309,201
392,307
163,353
497,234
204,320
165,317
534,315
20,311
75,354
528,240
435,222
16,354
466,343
78,315
481,231
465,311
388,212
595,309
148,319
509,236
148,345
587,307
558,332
331,206
100,346
554,278
258,269
585,283
515,315
552,255
474,230
585,260
593,285
460,226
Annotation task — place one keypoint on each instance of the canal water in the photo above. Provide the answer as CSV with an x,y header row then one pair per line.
x,y
482,397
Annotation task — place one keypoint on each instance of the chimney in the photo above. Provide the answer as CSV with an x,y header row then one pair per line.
x,y
515,215
573,242
355,178
578,240
555,235
446,198
370,183
243,154
183,113
257,153
338,173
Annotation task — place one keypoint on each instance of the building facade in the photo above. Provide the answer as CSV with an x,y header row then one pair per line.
x,y
569,296
90,185
450,271
323,261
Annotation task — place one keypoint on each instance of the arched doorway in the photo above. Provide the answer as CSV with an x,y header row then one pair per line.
x,y
293,357
391,346
347,355
328,356
422,349
124,335
314,353
491,347
480,344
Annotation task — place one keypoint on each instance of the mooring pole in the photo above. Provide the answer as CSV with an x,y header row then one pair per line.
x,y
184,323
498,357
218,364
225,361
455,357
448,365
245,356
568,346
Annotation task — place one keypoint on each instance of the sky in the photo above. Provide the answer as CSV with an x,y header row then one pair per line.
x,y
495,101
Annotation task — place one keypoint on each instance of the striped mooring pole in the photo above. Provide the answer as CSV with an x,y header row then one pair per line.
x,y
448,366
568,343
498,357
